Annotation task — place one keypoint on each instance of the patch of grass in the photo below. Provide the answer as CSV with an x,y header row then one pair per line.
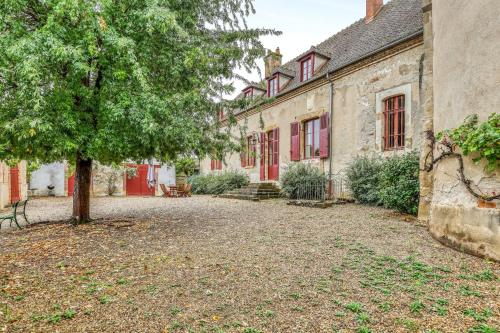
x,y
104,299
468,291
295,296
482,328
417,306
385,306
298,309
175,310
363,329
121,281
69,314
251,330
486,275
355,307
478,316
340,314
363,318
409,324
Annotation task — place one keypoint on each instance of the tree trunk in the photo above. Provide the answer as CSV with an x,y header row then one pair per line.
x,y
81,196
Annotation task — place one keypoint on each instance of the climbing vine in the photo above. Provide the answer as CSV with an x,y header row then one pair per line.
x,y
479,141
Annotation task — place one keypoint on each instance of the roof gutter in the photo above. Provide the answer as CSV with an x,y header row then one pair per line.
x,y
330,137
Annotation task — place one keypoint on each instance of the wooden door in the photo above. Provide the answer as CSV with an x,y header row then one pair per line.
x,y
273,140
138,185
71,185
15,193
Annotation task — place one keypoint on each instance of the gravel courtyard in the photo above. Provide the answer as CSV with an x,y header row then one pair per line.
x,y
214,265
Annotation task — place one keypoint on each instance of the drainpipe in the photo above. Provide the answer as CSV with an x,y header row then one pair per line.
x,y
330,145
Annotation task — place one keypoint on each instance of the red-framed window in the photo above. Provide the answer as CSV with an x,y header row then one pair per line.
x,y
273,86
295,141
215,165
394,123
251,151
248,93
312,138
221,114
307,68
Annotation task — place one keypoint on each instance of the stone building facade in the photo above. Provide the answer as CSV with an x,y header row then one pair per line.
x,y
363,83
461,78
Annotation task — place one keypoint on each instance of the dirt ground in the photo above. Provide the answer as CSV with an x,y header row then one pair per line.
x,y
214,265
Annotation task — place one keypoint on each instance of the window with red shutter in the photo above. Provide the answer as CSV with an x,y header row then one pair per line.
x,y
324,136
394,123
212,164
243,158
295,141
311,138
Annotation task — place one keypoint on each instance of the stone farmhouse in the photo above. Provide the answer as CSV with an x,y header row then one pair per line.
x,y
358,92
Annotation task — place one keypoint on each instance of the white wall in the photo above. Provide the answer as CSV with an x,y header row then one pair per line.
x,y
166,175
49,174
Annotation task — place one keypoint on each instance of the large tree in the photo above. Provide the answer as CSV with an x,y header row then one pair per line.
x,y
113,80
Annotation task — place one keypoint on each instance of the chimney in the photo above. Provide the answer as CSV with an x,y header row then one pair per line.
x,y
372,9
272,61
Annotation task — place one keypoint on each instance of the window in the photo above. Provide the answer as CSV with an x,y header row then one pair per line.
x,y
394,123
307,68
249,93
272,86
221,115
215,165
311,139
251,151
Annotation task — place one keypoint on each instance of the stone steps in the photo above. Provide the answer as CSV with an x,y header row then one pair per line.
x,y
254,192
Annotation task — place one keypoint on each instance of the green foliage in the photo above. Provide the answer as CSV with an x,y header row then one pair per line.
x,y
298,174
185,165
391,182
363,177
217,183
482,141
399,187
114,81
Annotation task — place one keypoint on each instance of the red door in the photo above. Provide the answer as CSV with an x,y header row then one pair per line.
x,y
15,194
138,185
71,185
273,140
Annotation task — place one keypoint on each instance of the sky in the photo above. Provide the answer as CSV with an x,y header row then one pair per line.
x,y
303,23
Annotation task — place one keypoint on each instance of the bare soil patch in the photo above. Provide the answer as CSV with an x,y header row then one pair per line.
x,y
215,265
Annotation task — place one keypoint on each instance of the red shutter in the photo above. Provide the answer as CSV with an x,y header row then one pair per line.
x,y
212,164
262,156
243,159
324,136
219,165
295,141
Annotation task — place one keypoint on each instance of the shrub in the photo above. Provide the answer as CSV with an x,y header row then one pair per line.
x,y
296,175
363,179
217,183
399,183
391,182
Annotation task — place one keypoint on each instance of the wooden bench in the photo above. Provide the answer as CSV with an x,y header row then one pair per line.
x,y
18,208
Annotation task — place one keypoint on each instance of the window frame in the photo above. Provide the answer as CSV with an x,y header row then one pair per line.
x,y
304,76
251,151
274,81
315,145
248,93
394,120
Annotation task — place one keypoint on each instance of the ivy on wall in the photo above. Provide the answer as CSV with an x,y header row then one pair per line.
x,y
480,141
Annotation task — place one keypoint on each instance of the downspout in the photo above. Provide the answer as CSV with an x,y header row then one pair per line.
x,y
330,136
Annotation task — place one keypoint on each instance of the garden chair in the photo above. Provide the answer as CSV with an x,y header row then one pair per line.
x,y
168,192
185,190
18,208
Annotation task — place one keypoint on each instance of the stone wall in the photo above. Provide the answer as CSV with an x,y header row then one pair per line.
x,y
357,114
4,185
107,180
466,80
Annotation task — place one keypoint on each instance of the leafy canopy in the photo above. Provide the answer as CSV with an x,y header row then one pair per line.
x,y
114,80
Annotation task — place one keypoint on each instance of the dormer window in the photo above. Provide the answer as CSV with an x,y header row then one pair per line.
x,y
248,93
307,68
273,86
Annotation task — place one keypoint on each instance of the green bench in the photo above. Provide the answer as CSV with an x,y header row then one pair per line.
x,y
18,208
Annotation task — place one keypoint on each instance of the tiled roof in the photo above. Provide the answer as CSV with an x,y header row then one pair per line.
x,y
397,21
